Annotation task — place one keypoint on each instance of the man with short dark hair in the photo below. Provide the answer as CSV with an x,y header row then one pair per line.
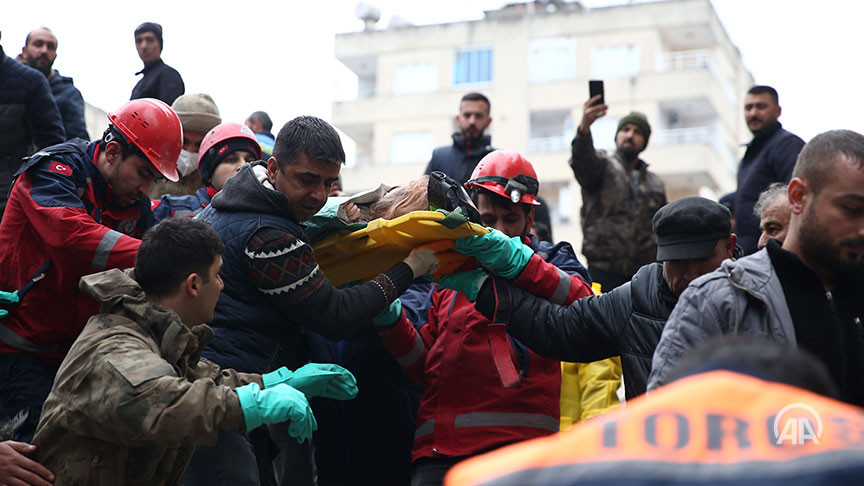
x,y
40,52
770,157
273,285
772,209
150,397
806,292
261,125
694,236
75,208
470,144
619,197
160,80
29,119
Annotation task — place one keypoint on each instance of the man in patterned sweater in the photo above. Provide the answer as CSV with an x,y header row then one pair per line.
x,y
273,284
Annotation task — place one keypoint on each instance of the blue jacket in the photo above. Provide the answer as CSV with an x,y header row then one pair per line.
x,y
71,105
458,160
770,157
169,206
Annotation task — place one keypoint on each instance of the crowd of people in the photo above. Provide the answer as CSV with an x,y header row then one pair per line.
x,y
163,318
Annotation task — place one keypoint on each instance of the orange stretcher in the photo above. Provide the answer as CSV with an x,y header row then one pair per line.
x,y
363,254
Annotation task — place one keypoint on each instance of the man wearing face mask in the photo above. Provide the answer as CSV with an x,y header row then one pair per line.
x,y
619,197
198,114
223,152
693,238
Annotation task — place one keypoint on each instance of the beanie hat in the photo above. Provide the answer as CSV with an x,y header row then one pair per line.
x,y
151,27
197,112
218,152
639,120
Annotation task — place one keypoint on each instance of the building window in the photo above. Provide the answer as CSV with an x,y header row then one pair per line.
x,y
411,147
551,59
415,78
612,61
551,131
472,65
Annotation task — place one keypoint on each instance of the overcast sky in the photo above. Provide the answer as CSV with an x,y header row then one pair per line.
x,y
278,55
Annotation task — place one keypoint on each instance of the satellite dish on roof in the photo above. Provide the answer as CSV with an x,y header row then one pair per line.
x,y
369,14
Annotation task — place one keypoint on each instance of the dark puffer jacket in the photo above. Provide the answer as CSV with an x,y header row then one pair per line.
x,y
627,321
71,105
458,160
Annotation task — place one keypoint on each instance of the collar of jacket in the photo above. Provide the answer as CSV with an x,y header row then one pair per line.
x,y
118,293
764,135
483,142
641,165
249,191
2,56
149,67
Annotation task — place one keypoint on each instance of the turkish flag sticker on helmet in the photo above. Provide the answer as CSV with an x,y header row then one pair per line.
x,y
58,168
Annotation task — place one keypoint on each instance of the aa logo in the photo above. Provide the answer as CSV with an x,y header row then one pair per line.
x,y
796,424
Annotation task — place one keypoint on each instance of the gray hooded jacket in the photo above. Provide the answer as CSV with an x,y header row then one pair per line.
x,y
740,297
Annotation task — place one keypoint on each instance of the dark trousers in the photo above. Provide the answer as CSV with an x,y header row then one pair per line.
x,y
230,462
607,280
25,382
429,471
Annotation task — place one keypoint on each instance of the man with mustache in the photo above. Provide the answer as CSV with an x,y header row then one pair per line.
x,y
619,197
770,157
806,292
40,52
160,80
469,143
76,208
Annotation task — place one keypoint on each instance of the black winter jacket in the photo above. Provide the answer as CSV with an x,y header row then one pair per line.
x,y
71,105
627,321
458,160
160,81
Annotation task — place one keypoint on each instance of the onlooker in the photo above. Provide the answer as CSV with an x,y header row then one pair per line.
x,y
40,52
160,80
469,143
772,209
223,152
29,119
17,468
752,402
75,208
619,197
770,157
273,285
482,389
198,115
261,125
149,396
806,292
693,236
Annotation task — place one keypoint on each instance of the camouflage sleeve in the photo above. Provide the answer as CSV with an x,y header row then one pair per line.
x,y
228,377
134,397
587,165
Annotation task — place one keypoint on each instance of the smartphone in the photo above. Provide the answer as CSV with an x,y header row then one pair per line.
x,y
595,87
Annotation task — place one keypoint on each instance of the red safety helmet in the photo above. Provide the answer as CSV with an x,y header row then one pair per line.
x,y
508,174
154,128
221,141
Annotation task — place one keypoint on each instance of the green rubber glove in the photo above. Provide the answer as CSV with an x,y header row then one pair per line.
x,y
468,283
324,380
390,314
8,298
274,405
498,252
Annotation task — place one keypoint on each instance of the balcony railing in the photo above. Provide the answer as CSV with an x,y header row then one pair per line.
x,y
549,144
674,136
686,60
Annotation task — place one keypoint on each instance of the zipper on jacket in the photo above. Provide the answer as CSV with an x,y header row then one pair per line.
x,y
273,357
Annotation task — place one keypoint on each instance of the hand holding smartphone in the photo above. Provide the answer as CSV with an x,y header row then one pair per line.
x,y
595,87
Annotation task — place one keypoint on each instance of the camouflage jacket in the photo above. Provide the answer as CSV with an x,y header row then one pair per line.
x,y
617,208
133,397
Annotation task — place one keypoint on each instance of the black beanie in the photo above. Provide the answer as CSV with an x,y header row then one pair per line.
x,y
151,27
217,153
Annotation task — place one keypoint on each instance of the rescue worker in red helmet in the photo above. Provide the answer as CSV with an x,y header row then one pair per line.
x,y
482,389
75,208
223,152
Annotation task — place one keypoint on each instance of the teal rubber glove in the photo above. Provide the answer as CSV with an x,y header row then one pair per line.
x,y
324,380
390,314
468,283
498,252
274,405
8,298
